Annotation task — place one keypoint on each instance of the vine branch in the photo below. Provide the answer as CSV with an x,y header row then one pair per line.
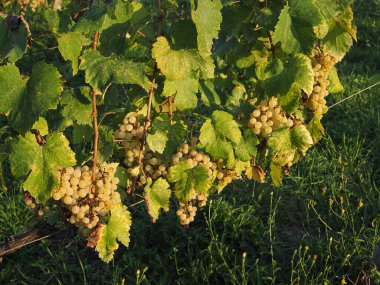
x,y
150,99
95,117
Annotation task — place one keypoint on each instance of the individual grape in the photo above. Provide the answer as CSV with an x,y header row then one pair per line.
x,y
75,209
67,200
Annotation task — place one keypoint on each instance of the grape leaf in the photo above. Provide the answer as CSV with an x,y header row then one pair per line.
x,y
219,134
327,8
43,163
236,96
157,197
280,141
188,181
301,138
338,41
209,96
12,41
335,86
291,101
75,108
101,15
297,70
207,18
41,126
315,128
29,100
294,29
246,149
276,174
82,134
117,229
183,34
166,135
70,47
102,71
12,87
179,68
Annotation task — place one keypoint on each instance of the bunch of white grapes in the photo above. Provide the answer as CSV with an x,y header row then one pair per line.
x,y
33,4
267,117
322,63
130,136
216,172
87,202
35,205
186,213
224,176
189,153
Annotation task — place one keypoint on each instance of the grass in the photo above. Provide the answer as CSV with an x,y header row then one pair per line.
x,y
321,227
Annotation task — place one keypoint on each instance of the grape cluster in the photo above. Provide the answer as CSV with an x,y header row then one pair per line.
x,y
130,135
322,63
85,201
267,117
188,152
186,213
33,4
35,205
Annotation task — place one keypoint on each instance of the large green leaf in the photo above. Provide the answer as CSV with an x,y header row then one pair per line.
x,y
338,39
70,47
117,229
76,108
157,197
166,134
291,101
246,149
207,18
280,142
102,71
220,134
297,71
41,163
294,29
101,15
209,96
179,68
28,100
189,181
12,41
12,87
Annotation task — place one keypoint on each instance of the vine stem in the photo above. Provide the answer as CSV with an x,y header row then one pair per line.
x,y
150,99
95,117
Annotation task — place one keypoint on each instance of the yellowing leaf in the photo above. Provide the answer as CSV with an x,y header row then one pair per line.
x,y
41,163
157,197
117,229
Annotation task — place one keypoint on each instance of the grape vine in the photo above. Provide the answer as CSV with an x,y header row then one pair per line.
x,y
107,104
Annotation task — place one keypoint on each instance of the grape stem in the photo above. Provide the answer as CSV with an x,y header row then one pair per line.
x,y
272,48
26,25
95,118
